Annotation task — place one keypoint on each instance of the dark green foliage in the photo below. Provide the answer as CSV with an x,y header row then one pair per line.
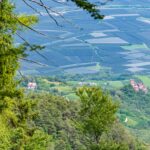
x,y
119,138
16,112
135,106
9,53
8,57
60,118
91,8
17,118
97,112
56,117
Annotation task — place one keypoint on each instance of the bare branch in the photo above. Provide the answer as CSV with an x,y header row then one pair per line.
x,y
31,46
32,29
46,9
35,62
31,7
23,77
56,12
62,3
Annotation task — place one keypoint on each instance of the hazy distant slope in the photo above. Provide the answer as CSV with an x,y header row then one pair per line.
x,y
120,41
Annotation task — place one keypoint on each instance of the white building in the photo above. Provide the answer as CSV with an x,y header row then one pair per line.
x,y
87,83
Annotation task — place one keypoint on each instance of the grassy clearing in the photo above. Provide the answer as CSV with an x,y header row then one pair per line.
x,y
50,82
135,47
72,96
95,68
116,84
83,69
73,83
64,88
144,79
111,84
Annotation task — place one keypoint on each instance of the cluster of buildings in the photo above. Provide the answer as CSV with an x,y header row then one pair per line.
x,y
138,86
87,83
32,86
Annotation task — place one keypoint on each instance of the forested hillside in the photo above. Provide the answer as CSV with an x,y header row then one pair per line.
x,y
61,119
133,110
135,107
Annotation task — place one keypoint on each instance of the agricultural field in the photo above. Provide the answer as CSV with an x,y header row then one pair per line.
x,y
145,79
123,47
66,85
135,47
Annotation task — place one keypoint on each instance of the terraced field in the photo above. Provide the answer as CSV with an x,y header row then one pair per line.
x,y
121,41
